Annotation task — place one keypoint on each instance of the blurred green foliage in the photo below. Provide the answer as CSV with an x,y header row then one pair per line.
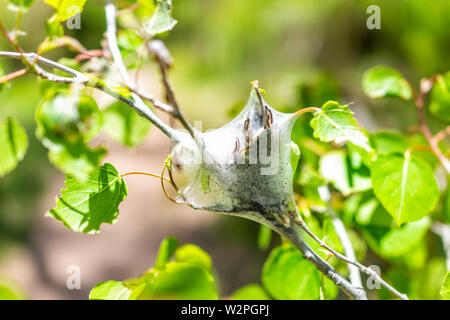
x,y
305,53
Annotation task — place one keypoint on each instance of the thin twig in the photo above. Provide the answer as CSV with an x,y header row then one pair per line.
x,y
13,75
81,78
162,57
425,87
438,137
355,275
32,58
139,105
150,98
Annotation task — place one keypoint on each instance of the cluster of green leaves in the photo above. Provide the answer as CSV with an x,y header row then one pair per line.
x,y
68,118
184,272
187,272
385,184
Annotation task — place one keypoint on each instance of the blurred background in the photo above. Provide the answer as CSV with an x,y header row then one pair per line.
x,y
218,46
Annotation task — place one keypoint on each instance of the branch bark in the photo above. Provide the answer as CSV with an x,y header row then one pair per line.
x,y
139,105
344,258
355,275
294,234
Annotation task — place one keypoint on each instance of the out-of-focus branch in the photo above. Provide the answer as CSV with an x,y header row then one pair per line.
x,y
355,275
164,60
13,75
438,137
139,104
32,58
425,87
443,231
81,78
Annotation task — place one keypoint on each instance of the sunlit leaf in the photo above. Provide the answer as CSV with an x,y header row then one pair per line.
x,y
110,290
13,145
335,168
124,125
166,250
264,237
162,19
440,97
381,81
251,291
10,291
398,241
65,123
181,280
405,185
287,275
193,254
335,123
84,205
20,5
66,8
445,290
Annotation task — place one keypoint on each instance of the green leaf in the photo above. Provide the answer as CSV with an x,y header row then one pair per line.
x,y
398,241
162,19
20,5
264,237
336,123
287,275
3,84
193,254
395,142
180,280
10,291
440,97
110,290
65,123
335,168
251,291
124,125
405,185
85,205
129,41
381,81
445,290
53,27
13,145
390,141
66,8
166,251
329,291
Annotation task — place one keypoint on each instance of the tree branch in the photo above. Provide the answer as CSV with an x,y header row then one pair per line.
x,y
425,87
86,80
139,105
355,275
294,234
164,60
344,258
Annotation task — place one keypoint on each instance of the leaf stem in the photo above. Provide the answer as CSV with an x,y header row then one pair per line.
x,y
139,105
13,75
425,87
